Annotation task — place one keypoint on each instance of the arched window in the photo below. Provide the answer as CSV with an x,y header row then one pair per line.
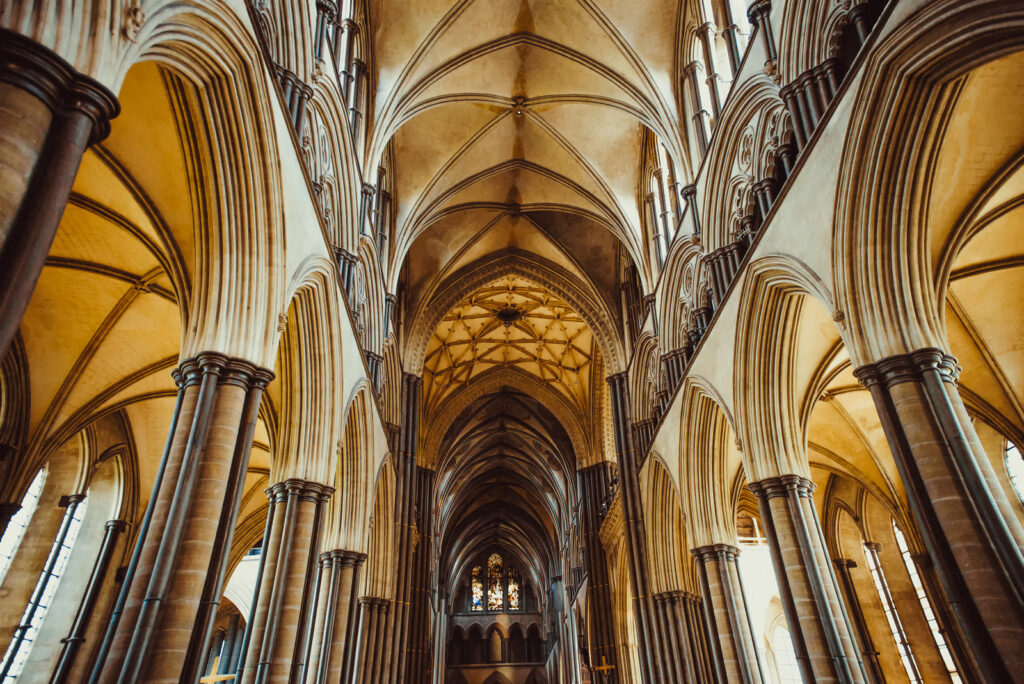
x,y
42,596
19,523
1014,468
899,635
495,588
786,667
926,605
477,598
513,589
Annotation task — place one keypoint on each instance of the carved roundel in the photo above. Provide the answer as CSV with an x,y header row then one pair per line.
x,y
745,156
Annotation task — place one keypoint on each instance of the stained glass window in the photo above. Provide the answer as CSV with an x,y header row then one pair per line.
x,y
513,589
478,590
495,590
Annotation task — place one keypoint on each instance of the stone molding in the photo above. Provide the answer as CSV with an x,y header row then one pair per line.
x,y
28,65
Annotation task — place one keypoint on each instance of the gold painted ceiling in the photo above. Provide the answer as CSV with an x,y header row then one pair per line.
x,y
510,323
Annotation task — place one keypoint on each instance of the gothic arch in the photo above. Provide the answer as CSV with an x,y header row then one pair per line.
x,y
753,125
888,283
349,508
234,303
309,413
709,456
378,575
771,372
454,405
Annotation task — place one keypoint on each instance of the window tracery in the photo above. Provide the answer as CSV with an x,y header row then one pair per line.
x,y
496,587
1014,462
18,525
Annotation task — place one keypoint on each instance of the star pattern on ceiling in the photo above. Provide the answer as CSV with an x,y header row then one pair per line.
x,y
510,323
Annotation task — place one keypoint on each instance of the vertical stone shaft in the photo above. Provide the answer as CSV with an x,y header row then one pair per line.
x,y
405,486
822,636
593,485
691,608
327,602
194,404
49,115
350,643
965,521
868,651
734,652
335,626
76,637
255,628
279,653
420,625
636,535
253,383
208,514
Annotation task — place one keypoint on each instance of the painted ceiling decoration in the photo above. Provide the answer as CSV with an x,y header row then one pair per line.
x,y
510,323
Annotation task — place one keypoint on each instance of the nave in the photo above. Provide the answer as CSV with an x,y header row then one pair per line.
x,y
511,341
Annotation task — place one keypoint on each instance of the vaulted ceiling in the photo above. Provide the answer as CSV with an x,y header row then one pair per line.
x,y
496,111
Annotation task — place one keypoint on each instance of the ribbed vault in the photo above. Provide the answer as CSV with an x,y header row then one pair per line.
x,y
506,479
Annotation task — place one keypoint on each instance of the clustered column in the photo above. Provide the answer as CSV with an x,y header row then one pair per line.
x,y
683,633
967,525
594,483
822,636
372,665
173,588
648,638
280,633
405,508
333,636
420,656
734,653
50,115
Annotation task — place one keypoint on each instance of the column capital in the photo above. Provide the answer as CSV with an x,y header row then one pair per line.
x,y
758,9
35,68
782,485
306,489
910,367
231,371
116,526
716,552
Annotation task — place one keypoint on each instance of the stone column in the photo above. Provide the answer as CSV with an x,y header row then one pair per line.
x,y
420,662
593,483
278,647
648,635
822,636
344,44
405,505
734,653
689,612
49,116
844,566
700,115
759,14
373,634
962,514
335,632
192,519
706,33
76,637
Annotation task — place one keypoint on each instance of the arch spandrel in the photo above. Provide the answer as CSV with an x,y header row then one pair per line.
x,y
896,309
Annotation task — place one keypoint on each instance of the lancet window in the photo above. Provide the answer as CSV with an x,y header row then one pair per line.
x,y
495,587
